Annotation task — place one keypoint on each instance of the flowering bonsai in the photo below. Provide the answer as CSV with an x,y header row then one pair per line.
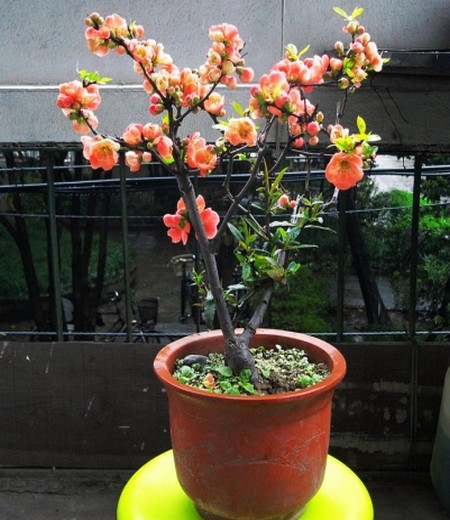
x,y
266,244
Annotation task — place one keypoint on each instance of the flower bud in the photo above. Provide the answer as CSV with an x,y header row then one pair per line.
x,y
339,47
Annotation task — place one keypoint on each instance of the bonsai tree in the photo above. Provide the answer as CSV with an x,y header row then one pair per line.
x,y
267,232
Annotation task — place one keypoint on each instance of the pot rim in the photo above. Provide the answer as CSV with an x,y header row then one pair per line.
x,y
165,359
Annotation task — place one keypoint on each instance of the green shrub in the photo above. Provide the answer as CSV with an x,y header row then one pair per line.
x,y
305,305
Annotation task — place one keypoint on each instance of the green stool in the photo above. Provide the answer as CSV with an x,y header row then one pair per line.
x,y
153,493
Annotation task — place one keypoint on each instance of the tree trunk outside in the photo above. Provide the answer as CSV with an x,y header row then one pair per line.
x,y
375,309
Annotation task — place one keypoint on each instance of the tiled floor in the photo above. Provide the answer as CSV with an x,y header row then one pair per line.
x,y
93,495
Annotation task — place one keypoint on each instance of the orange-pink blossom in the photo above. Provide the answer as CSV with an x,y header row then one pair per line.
x,y
200,155
100,152
344,170
75,96
134,159
179,225
241,130
215,104
99,32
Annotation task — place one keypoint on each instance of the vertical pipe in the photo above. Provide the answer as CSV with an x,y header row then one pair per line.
x,y
412,305
341,266
51,200
414,246
125,251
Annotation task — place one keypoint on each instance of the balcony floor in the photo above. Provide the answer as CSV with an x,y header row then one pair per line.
x,y
93,494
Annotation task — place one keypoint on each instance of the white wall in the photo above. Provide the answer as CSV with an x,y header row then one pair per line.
x,y
43,44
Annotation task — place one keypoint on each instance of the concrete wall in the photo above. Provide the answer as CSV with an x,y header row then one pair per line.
x,y
99,405
43,45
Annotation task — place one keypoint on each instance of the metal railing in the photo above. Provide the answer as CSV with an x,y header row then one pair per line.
x,y
38,173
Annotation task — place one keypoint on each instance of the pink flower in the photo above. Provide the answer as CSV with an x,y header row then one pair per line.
x,y
210,221
215,104
313,128
152,131
226,33
241,131
246,74
75,95
273,85
200,155
156,105
336,132
344,170
133,160
284,202
178,228
179,225
335,64
101,153
133,134
164,147
299,142
224,58
99,32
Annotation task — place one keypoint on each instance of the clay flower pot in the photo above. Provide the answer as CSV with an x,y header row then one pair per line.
x,y
250,457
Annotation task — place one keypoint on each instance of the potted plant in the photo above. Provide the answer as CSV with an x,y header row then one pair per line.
x,y
272,446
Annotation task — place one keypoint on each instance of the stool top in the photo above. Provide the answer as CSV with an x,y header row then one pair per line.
x,y
153,493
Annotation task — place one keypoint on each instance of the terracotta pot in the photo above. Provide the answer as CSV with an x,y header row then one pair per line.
x,y
252,457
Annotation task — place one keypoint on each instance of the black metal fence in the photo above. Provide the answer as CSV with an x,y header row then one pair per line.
x,y
50,176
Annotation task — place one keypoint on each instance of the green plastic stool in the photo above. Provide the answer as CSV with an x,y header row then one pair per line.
x,y
153,493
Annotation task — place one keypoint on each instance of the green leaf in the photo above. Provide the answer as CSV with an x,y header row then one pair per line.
x,y
293,267
92,77
340,12
291,50
236,233
358,11
209,310
278,179
246,272
303,51
249,388
168,160
225,371
361,124
238,109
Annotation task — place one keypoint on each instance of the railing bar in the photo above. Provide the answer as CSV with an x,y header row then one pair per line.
x,y
125,249
54,256
412,305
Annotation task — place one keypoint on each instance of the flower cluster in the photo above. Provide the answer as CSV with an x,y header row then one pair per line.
x,y
180,226
224,58
103,34
279,97
144,138
78,102
280,93
362,57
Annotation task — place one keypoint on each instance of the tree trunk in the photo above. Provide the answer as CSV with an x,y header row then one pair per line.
x,y
375,309
19,232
